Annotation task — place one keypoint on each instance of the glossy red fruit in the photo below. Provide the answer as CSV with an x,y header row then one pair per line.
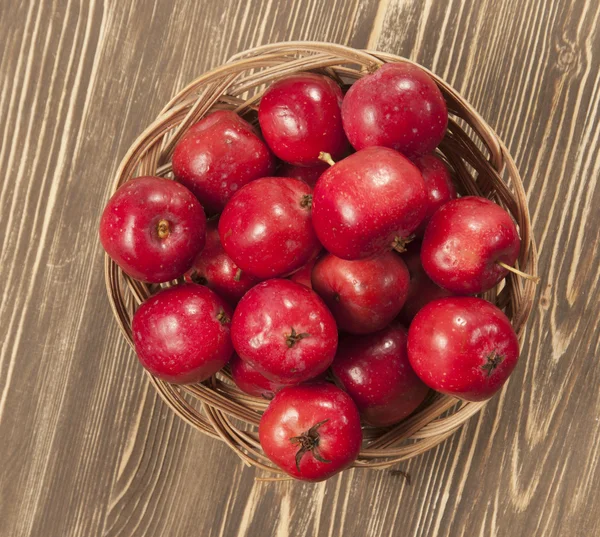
x,y
181,334
248,379
218,156
374,370
364,296
303,276
399,106
308,174
300,116
153,228
421,290
215,269
368,202
464,242
311,431
266,227
285,331
439,185
463,346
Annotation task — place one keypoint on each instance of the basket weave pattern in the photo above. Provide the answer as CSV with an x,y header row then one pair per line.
x,y
481,166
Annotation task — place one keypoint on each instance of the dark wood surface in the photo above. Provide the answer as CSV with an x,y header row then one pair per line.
x,y
86,446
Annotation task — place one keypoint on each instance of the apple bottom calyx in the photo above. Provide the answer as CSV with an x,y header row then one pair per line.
x,y
493,360
306,201
399,244
309,441
293,338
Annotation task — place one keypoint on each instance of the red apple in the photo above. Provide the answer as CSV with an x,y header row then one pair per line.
x,y
181,334
303,275
364,296
153,228
374,370
368,203
311,431
399,106
308,174
300,116
285,331
421,290
218,156
266,227
439,185
251,381
464,243
463,346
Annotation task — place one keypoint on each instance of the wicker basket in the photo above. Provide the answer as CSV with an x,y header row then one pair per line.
x,y
481,165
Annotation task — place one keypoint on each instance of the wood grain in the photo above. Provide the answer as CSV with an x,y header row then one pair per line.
x,y
87,447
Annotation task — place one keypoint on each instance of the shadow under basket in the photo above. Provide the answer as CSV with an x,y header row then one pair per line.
x,y
481,166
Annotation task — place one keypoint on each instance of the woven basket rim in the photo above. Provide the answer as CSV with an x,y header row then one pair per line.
x,y
225,412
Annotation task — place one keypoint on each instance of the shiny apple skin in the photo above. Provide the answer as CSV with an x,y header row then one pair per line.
x,y
215,269
300,116
308,174
297,409
218,156
452,343
266,319
251,381
463,243
398,106
365,202
364,296
303,276
266,227
129,229
439,185
182,334
421,290
374,370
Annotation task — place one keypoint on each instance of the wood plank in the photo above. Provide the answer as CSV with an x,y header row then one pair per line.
x,y
87,446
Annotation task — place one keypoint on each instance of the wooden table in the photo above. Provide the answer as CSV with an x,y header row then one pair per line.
x,y
87,448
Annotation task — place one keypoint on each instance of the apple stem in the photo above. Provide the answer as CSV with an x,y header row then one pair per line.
x,y
238,275
326,157
163,229
531,277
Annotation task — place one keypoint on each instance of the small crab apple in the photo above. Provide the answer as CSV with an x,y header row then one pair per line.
x,y
153,228
181,334
463,346
311,431
218,156
367,203
300,116
398,106
469,245
285,331
266,227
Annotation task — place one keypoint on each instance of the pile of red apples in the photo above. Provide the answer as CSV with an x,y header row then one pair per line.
x,y
324,258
